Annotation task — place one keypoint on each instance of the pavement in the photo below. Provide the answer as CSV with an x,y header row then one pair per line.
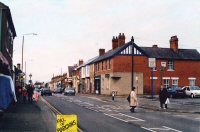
x,y
38,117
35,117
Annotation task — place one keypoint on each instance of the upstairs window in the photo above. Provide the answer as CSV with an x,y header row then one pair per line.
x,y
171,65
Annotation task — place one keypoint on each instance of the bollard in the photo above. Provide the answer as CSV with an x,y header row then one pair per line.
x,y
113,96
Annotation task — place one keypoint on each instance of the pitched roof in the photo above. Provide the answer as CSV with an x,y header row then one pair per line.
x,y
87,62
168,53
155,52
111,53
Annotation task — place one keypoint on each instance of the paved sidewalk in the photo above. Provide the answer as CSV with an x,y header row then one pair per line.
x,y
185,105
27,117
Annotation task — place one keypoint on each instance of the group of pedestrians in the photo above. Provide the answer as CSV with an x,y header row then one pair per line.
x,y
163,98
25,93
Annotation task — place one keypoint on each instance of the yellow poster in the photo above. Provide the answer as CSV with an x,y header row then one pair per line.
x,y
66,123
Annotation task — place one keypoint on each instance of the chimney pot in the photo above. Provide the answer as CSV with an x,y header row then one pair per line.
x,y
174,43
80,62
121,40
155,46
114,43
101,52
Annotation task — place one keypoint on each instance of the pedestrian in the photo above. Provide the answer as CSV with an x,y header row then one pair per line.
x,y
163,97
30,93
133,100
24,94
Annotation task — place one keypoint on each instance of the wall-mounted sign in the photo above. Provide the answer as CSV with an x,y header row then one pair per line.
x,y
163,64
152,62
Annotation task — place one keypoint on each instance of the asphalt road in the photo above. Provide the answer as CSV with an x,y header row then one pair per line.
x,y
97,115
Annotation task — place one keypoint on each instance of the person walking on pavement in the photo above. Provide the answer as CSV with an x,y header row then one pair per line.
x,y
163,97
133,100
30,93
24,94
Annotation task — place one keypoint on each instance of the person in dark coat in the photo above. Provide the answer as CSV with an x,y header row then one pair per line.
x,y
30,93
163,95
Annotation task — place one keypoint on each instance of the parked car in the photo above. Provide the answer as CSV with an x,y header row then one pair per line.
x,y
192,91
69,91
175,92
58,90
46,91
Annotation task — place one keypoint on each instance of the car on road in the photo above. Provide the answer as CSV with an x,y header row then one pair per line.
x,y
176,92
192,91
58,90
46,91
69,91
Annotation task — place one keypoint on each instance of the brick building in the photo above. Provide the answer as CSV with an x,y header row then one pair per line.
x,y
113,69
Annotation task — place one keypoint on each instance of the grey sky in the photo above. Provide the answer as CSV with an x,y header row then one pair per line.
x,y
69,30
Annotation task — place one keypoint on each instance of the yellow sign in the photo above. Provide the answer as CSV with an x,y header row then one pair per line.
x,y
66,123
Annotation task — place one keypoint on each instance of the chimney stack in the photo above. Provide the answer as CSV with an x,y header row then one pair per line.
x,y
114,43
121,39
18,66
80,62
174,43
101,52
155,46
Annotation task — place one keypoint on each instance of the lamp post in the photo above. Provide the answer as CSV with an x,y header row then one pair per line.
x,y
132,77
23,47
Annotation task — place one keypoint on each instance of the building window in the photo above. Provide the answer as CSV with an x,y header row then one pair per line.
x,y
106,65
166,83
110,64
171,65
174,82
102,66
97,66
192,82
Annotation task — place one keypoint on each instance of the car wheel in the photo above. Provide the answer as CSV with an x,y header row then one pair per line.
x,y
192,95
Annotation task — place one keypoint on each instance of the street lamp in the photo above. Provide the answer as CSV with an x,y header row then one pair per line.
x,y
23,47
132,77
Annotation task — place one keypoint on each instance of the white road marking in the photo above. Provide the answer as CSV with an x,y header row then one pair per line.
x,y
172,129
90,108
96,99
148,129
115,117
132,117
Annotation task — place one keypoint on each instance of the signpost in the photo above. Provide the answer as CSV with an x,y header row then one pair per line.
x,y
152,64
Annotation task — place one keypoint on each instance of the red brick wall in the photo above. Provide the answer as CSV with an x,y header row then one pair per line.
x,y
183,69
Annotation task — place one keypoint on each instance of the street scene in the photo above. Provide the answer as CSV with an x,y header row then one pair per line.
x,y
99,66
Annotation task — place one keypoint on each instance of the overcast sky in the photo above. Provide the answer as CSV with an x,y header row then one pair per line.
x,y
69,30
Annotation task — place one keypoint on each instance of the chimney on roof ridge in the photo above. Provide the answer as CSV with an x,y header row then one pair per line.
x,y
101,52
114,43
80,62
121,39
155,46
174,43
